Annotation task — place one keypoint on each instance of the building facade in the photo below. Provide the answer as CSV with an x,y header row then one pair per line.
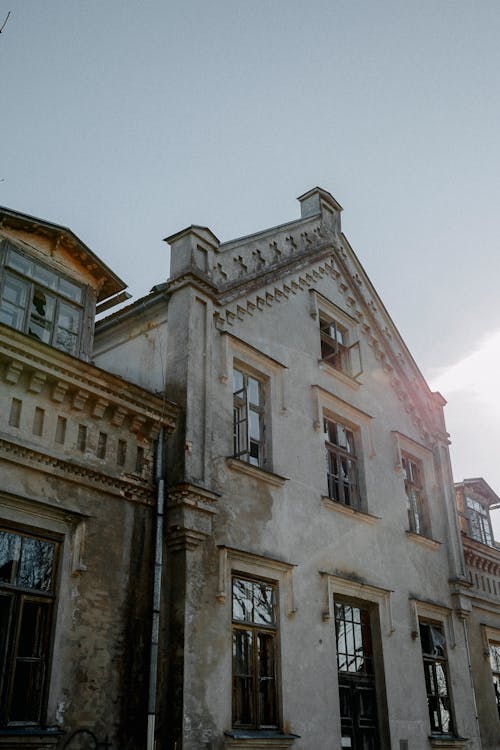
x,y
315,593
475,499
77,504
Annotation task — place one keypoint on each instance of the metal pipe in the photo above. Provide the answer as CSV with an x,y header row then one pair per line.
x,y
157,576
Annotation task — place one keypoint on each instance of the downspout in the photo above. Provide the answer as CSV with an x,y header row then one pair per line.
x,y
157,576
467,649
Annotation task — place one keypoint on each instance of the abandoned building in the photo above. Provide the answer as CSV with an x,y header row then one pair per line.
x,y
320,584
76,502
475,500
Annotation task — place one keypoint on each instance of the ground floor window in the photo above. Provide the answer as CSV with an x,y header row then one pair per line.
x,y
27,595
356,676
255,647
435,659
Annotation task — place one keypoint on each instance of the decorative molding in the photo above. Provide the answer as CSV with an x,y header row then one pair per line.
x,y
346,510
190,510
425,541
423,609
256,472
344,586
347,413
129,489
231,559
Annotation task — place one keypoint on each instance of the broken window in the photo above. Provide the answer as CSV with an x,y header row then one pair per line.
x,y
494,649
335,348
248,418
356,677
40,302
27,584
479,522
342,469
433,644
414,488
255,646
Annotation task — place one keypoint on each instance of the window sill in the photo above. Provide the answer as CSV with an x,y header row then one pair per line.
x,y
255,471
342,376
18,738
255,739
443,741
425,541
346,510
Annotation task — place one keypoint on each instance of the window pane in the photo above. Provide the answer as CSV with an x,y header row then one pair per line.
x,y
45,276
253,391
242,600
70,290
68,318
243,678
27,691
19,262
35,569
263,612
10,545
254,425
268,714
42,316
237,380
15,291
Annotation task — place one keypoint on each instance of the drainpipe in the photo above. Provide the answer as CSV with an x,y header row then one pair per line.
x,y
157,576
467,649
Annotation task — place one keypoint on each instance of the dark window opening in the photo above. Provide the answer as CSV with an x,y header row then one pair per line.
x,y
335,350
495,671
342,469
27,582
435,660
479,522
255,636
248,418
414,488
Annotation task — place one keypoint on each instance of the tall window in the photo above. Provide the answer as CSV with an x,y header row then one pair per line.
x,y
495,671
356,674
255,636
248,418
479,522
40,302
414,488
27,589
342,470
435,659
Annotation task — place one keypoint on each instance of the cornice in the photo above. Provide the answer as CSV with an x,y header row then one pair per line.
x,y
129,488
44,365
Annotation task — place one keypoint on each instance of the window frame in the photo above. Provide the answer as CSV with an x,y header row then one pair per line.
x,y
243,409
20,596
339,342
431,660
336,453
415,493
256,630
32,285
495,670
484,536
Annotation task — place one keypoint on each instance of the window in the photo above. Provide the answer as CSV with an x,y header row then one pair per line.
x,y
356,675
433,644
494,649
414,488
342,470
335,350
27,583
255,641
40,302
479,522
248,418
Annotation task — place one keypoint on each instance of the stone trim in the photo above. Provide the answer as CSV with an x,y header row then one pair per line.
x,y
422,609
337,584
425,541
256,472
239,739
131,490
190,511
346,510
440,743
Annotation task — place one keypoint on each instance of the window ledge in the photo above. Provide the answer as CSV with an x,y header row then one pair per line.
x,y
256,472
425,541
444,741
248,739
342,376
346,510
21,738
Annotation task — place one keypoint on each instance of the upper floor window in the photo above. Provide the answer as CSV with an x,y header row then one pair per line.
x,y
435,660
255,647
248,418
27,590
479,521
414,488
342,468
39,301
336,349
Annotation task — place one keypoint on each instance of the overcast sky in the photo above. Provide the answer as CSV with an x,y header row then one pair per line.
x,y
127,120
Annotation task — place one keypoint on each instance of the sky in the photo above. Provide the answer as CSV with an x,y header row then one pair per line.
x,y
127,120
